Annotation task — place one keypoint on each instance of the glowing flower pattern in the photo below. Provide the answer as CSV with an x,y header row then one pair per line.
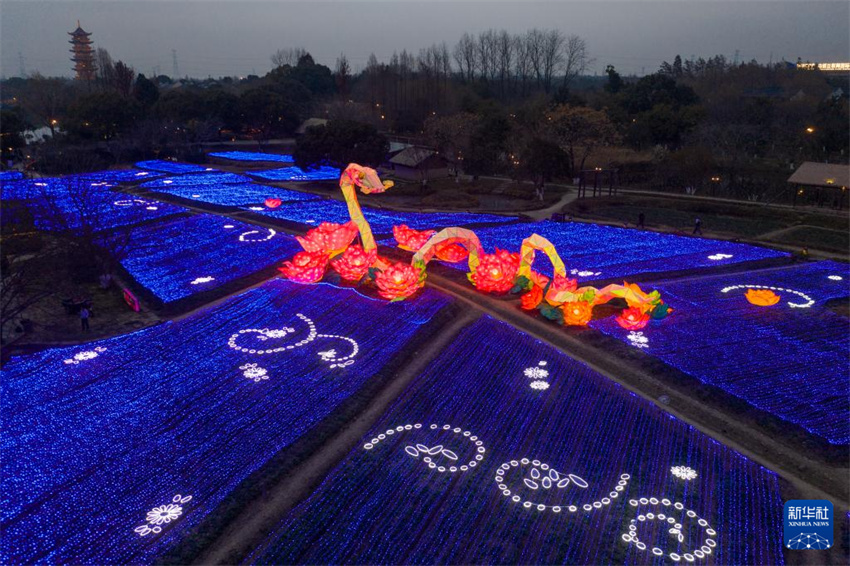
x,y
273,202
633,318
451,253
496,272
762,297
398,281
577,313
329,238
305,267
354,263
683,472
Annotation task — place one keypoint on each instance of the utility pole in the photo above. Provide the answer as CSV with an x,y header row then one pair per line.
x,y
174,64
736,57
21,69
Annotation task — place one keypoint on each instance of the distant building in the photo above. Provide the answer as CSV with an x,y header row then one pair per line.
x,y
83,54
418,163
821,183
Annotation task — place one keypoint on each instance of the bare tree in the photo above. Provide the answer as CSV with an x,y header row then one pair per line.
x,y
105,67
505,53
552,56
464,55
522,63
289,56
342,74
575,58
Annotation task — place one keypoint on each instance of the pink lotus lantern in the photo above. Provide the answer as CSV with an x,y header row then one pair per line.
x,y
328,238
398,281
633,318
410,239
305,267
354,263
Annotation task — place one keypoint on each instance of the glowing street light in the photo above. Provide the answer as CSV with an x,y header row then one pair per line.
x,y
810,130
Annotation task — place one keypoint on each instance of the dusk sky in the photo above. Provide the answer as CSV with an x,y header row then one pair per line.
x,y
236,37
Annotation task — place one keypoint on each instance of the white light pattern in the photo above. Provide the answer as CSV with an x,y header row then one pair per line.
x,y
255,372
835,277
638,340
244,236
674,528
541,478
86,355
809,301
199,280
162,515
229,226
264,334
539,385
447,461
683,472
718,257
584,273
538,374
130,202
808,540
152,208
256,208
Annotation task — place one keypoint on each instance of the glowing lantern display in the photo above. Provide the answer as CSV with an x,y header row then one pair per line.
x,y
410,239
305,267
398,281
451,253
762,297
328,238
633,318
273,202
577,313
660,311
560,284
496,272
531,299
354,263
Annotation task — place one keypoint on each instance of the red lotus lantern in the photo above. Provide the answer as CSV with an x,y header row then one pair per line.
x,y
328,238
577,313
530,300
305,267
560,284
451,253
273,202
354,263
496,272
410,239
398,281
633,318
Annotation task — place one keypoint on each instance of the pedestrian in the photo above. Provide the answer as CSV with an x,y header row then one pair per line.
x,y
84,317
697,226
640,221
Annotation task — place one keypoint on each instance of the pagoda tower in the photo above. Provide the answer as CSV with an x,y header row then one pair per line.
x,y
83,54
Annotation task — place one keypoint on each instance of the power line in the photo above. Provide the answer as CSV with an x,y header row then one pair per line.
x,y
174,63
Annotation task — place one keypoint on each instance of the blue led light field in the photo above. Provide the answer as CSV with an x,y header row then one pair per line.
x,y
788,360
253,156
225,189
506,451
185,256
381,221
171,166
11,175
97,437
91,182
593,251
322,173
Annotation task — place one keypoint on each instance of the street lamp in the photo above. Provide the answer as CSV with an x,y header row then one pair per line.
x,y
810,130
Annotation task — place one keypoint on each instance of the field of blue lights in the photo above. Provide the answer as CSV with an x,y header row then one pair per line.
x,y
381,221
11,175
206,179
789,359
176,259
115,449
252,156
210,190
507,451
173,167
322,173
100,181
594,251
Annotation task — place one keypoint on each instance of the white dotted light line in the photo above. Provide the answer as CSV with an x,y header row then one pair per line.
x,y
243,237
549,479
809,301
430,453
675,529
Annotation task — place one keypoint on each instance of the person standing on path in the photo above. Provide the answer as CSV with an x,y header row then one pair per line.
x,y
697,226
641,218
84,318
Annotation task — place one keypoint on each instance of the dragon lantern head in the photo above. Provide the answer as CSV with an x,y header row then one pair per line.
x,y
366,178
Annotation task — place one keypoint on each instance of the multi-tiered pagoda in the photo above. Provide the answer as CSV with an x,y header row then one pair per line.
x,y
83,54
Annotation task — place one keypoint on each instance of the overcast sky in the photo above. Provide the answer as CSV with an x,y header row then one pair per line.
x,y
236,37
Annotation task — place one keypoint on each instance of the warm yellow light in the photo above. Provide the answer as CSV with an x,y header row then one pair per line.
x,y
810,130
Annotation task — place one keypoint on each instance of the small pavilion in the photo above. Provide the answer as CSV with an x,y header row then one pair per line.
x,y
821,183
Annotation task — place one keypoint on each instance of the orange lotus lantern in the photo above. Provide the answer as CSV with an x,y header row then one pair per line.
x,y
762,297
273,202
354,263
328,238
410,239
633,318
496,272
451,253
398,281
577,313
305,267
531,299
